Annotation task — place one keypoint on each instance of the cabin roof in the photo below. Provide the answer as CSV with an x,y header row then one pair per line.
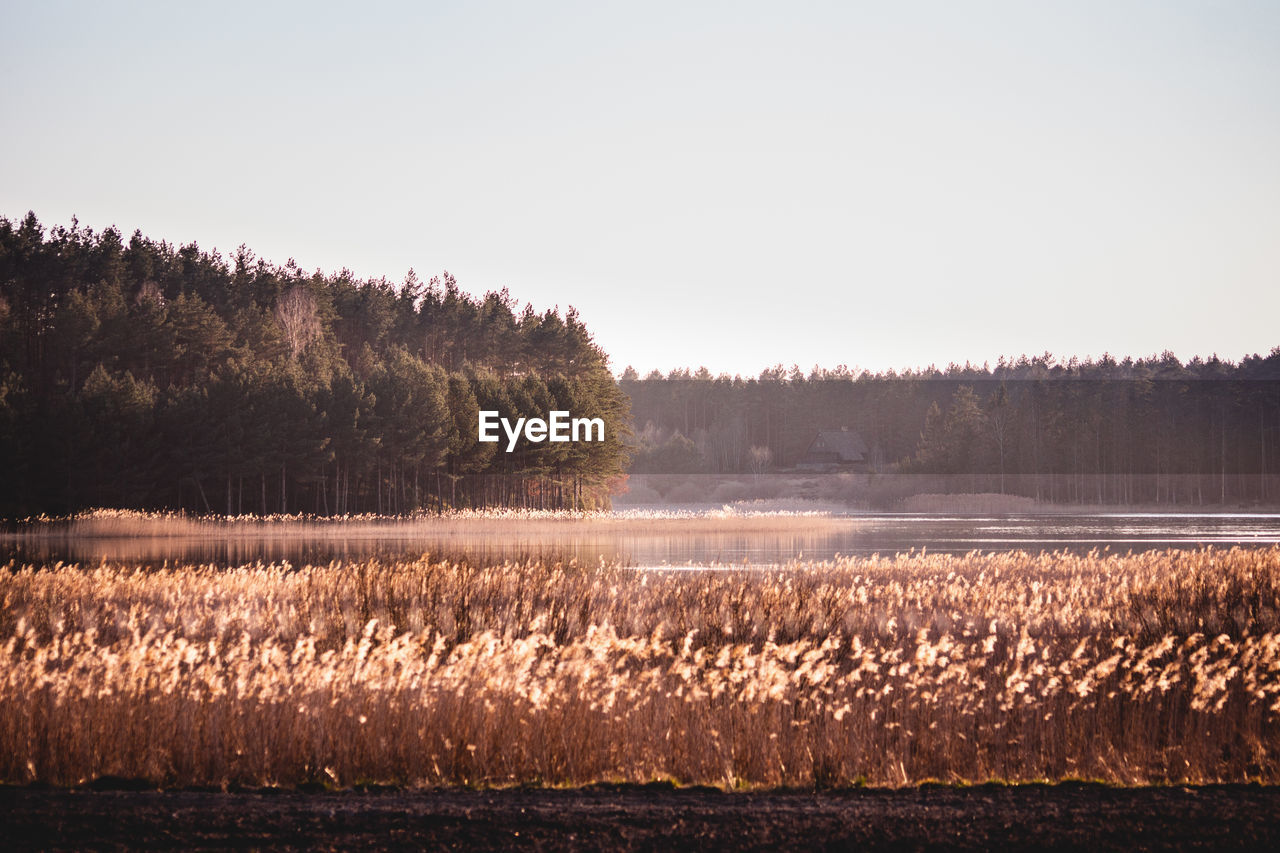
x,y
846,444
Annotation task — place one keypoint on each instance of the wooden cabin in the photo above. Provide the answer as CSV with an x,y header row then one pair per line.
x,y
836,450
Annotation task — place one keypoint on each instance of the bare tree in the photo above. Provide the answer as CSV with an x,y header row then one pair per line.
x,y
149,294
296,314
758,459
999,418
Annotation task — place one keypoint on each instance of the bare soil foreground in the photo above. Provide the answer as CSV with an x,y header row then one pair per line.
x,y
1043,817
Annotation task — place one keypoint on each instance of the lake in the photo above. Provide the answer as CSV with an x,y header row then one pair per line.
x,y
591,542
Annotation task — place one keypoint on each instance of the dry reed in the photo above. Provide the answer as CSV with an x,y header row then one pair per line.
x,y
524,523
1157,667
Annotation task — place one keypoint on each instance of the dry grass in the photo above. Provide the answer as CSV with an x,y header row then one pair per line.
x,y
110,523
1159,667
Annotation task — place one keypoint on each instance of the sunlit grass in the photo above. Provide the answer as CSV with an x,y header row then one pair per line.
x,y
108,523
1158,667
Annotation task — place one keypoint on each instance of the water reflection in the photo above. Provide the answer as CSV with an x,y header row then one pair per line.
x,y
588,545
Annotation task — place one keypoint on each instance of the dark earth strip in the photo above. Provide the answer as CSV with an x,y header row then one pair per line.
x,y
1042,817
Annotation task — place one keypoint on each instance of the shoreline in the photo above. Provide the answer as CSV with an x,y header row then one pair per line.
x,y
652,817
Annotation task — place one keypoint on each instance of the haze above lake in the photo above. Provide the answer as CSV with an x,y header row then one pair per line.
x,y
589,544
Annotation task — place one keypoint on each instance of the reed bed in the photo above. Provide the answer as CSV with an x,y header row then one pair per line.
x,y
1162,667
730,519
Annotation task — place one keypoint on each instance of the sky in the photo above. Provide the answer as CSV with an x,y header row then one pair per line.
x,y
729,185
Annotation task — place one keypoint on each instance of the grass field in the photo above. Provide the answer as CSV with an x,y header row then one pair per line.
x,y
1151,668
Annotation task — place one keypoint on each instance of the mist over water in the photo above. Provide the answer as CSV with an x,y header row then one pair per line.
x,y
590,545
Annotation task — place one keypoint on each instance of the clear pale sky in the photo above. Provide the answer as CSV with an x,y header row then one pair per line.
x,y
721,184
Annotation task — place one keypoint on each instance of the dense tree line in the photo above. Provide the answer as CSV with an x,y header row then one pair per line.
x,y
137,374
1152,430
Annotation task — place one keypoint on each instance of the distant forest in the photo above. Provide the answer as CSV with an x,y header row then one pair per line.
x,y
139,374
1141,431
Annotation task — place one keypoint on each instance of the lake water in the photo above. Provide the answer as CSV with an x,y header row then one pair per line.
x,y
588,544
